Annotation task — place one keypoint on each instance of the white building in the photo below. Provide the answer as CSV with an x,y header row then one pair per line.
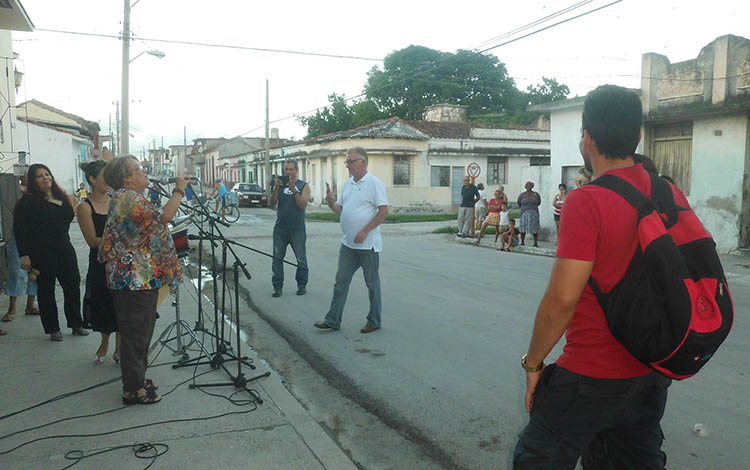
x,y
62,151
696,129
12,18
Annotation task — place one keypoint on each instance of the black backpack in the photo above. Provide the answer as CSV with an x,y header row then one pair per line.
x,y
672,309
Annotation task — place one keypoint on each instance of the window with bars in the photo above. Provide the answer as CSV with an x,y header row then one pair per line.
x,y
497,168
539,161
401,170
440,176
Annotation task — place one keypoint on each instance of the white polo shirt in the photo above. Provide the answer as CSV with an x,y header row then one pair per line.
x,y
359,201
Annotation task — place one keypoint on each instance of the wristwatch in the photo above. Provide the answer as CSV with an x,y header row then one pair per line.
x,y
528,368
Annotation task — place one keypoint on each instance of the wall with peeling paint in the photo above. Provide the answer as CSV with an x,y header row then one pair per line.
x,y
718,166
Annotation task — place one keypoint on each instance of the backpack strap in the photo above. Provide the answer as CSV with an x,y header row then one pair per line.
x,y
663,197
637,199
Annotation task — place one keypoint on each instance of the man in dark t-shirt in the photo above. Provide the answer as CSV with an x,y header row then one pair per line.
x,y
469,197
292,197
597,401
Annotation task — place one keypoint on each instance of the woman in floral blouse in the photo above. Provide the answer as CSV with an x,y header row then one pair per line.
x,y
140,259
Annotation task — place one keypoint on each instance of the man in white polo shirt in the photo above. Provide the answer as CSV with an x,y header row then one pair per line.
x,y
363,206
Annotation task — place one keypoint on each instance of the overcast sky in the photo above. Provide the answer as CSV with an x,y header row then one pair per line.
x,y
221,92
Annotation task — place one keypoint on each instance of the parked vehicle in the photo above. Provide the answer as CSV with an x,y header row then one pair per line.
x,y
250,194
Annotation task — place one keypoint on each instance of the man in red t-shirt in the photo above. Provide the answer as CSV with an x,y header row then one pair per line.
x,y
597,401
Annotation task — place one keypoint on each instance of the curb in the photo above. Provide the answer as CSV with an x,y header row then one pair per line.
x,y
487,243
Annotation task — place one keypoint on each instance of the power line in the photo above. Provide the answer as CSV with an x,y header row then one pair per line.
x,y
550,26
418,71
205,44
536,22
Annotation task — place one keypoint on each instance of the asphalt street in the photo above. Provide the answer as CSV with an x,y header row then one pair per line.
x,y
444,369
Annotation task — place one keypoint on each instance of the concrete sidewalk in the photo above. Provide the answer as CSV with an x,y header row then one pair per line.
x,y
278,434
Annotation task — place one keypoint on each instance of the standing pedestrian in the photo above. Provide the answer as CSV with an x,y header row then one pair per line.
x,y
469,197
98,307
597,401
292,199
480,208
140,259
16,277
363,206
557,204
41,224
529,202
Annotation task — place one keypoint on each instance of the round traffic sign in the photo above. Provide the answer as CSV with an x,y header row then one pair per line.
x,y
473,170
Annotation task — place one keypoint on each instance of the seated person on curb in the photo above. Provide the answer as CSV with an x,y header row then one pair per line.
x,y
509,237
503,220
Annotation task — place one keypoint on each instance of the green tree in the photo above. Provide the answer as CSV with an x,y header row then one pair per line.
x,y
416,77
340,116
517,113
547,91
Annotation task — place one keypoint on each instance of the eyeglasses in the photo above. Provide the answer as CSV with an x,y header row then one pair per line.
x,y
349,162
139,168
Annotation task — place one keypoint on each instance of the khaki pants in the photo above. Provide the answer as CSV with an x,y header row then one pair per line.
x,y
464,220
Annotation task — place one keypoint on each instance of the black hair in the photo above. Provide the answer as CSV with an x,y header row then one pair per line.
x,y
480,186
92,169
612,116
33,188
562,185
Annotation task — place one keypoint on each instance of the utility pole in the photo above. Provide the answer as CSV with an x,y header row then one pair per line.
x,y
268,143
116,150
125,129
184,150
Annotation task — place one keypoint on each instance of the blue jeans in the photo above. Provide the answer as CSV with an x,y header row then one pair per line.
x,y
281,238
349,261
612,424
16,275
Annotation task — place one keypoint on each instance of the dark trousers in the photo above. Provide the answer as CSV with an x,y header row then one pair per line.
x,y
612,423
136,318
281,239
61,267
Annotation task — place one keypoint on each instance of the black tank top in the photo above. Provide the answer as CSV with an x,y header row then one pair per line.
x,y
100,220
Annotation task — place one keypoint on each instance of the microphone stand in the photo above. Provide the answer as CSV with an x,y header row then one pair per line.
x,y
222,354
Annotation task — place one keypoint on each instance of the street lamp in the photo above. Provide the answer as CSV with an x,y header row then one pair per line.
x,y
125,100
154,52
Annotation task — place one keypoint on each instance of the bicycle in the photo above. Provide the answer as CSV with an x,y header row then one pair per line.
x,y
231,210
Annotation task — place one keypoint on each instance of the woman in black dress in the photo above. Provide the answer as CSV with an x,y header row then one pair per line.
x,y
41,222
97,303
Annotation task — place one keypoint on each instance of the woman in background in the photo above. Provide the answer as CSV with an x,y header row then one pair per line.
x,y
41,224
97,304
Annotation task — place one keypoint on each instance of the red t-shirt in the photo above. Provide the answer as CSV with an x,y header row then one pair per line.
x,y
600,226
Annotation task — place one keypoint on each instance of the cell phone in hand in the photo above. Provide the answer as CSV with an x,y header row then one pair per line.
x,y
284,179
328,188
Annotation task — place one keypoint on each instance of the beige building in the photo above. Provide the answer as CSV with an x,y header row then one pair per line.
x,y
422,163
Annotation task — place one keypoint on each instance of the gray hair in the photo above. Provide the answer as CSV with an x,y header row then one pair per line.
x,y
359,151
117,170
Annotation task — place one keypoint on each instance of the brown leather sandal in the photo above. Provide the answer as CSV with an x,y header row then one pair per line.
x,y
149,398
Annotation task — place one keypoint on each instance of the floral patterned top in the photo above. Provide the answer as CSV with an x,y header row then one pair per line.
x,y
137,249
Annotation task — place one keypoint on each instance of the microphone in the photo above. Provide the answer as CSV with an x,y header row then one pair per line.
x,y
171,180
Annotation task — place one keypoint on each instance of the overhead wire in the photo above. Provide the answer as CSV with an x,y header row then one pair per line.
x,y
438,62
206,44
